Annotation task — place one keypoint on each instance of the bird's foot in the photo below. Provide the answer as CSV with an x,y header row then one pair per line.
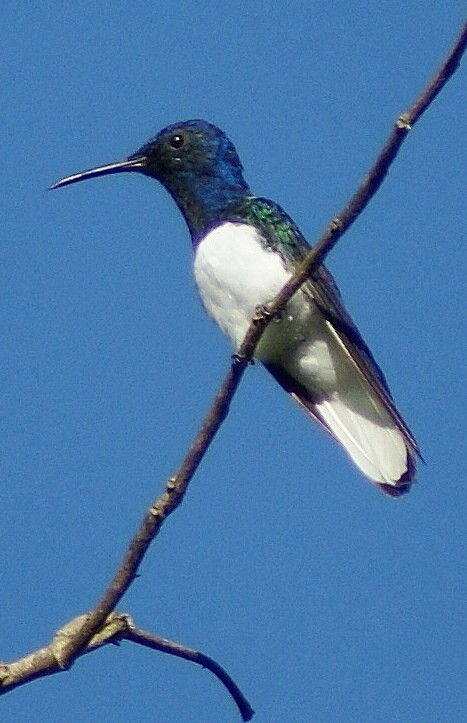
x,y
262,313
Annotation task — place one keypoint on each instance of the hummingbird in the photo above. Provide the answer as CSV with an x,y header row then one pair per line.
x,y
245,249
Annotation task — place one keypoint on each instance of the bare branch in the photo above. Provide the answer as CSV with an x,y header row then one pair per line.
x,y
117,627
48,659
81,635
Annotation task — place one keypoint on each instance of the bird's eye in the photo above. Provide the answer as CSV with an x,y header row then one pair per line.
x,y
177,141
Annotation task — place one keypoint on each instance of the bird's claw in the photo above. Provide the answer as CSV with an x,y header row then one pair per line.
x,y
262,313
238,358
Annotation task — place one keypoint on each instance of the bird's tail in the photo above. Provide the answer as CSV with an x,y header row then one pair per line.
x,y
371,433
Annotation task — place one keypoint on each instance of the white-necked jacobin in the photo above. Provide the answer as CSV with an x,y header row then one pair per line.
x,y
245,249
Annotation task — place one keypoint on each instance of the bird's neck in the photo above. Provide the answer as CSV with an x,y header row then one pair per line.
x,y
203,199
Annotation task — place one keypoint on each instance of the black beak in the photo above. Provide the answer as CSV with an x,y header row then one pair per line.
x,y
129,164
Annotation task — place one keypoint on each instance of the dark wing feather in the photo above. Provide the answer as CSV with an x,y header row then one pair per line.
x,y
325,293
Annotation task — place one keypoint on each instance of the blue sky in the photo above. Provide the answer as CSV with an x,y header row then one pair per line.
x,y
325,600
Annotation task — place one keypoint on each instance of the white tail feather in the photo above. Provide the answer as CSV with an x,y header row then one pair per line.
x,y
372,441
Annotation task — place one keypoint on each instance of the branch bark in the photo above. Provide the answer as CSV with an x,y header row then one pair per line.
x,y
92,630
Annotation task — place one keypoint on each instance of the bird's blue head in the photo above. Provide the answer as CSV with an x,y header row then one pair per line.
x,y
197,164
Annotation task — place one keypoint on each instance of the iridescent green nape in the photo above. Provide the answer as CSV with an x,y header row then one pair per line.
x,y
277,229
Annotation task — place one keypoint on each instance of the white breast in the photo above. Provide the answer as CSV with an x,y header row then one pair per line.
x,y
235,273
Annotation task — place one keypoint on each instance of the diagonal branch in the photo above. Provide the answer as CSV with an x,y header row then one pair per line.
x,y
74,645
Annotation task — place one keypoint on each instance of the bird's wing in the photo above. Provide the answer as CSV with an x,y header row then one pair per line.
x,y
360,414
323,289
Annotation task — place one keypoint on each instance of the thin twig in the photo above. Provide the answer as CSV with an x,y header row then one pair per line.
x,y
195,656
74,645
